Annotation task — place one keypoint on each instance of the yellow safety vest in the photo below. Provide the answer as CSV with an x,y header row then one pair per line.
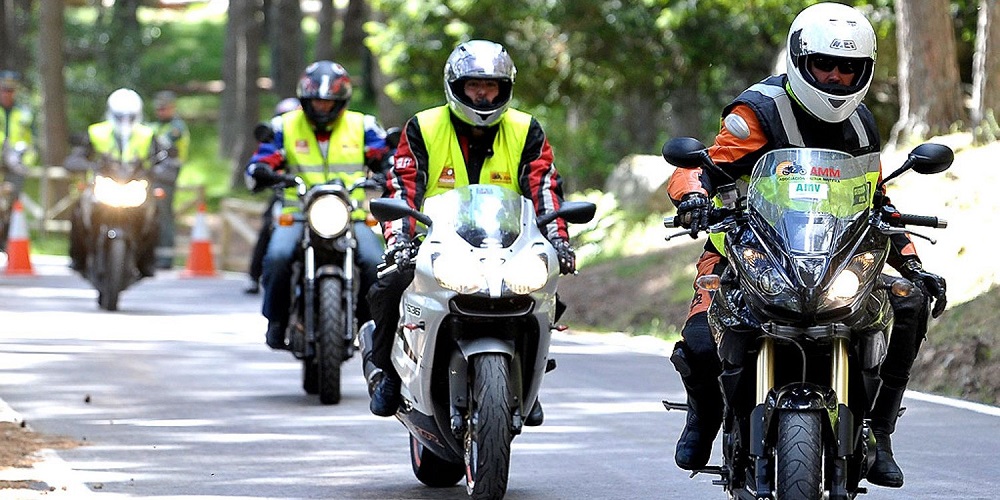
x,y
15,128
345,156
446,164
102,137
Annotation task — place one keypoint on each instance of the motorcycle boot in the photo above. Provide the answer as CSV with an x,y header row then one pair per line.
x,y
704,414
385,398
276,335
885,471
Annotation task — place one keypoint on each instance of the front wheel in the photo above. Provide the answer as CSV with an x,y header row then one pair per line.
x,y
431,469
487,440
799,467
331,343
112,274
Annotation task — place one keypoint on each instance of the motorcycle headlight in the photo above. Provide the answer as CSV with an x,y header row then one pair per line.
x,y
848,284
845,286
760,272
115,194
459,272
527,273
329,216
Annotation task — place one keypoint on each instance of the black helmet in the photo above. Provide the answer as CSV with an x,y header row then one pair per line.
x,y
324,80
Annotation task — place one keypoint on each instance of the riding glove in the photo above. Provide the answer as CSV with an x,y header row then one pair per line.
x,y
566,255
401,253
693,212
931,284
261,176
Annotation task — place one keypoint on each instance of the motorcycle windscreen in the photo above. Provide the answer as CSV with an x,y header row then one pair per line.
x,y
811,197
484,215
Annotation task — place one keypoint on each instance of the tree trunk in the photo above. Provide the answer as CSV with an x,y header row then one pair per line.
x,y
327,19
240,68
285,21
352,43
15,23
55,137
125,44
930,95
986,73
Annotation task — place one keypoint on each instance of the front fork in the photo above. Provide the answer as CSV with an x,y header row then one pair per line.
x,y
843,420
309,298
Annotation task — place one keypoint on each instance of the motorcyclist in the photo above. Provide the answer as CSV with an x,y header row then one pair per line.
x,y
475,138
16,134
121,138
175,138
256,268
320,142
816,103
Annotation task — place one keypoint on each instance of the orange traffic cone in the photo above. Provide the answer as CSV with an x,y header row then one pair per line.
x,y
199,261
18,244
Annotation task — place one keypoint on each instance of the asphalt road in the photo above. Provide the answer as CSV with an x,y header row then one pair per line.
x,y
176,396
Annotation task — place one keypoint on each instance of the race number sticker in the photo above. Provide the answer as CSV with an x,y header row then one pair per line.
x,y
808,191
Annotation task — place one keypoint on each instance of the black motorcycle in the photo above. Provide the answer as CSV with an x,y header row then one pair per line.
x,y
323,329
119,212
801,315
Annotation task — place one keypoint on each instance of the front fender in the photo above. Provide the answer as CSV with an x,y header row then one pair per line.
x,y
471,347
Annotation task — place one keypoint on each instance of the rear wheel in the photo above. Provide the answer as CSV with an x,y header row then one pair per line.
x,y
799,467
487,442
431,469
331,343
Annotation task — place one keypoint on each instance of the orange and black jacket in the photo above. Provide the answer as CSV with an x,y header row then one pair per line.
x,y
776,121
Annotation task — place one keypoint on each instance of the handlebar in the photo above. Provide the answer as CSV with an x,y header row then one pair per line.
x,y
918,220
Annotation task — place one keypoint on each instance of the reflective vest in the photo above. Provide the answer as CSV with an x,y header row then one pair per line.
x,y
446,167
174,134
16,127
773,106
138,149
345,156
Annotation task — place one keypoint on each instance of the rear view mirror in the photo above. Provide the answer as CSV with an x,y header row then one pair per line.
x,y
684,152
930,158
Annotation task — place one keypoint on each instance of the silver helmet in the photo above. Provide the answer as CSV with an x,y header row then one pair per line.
x,y
834,35
124,112
479,59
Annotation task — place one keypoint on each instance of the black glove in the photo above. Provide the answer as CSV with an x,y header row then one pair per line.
x,y
401,253
693,212
931,284
263,176
566,256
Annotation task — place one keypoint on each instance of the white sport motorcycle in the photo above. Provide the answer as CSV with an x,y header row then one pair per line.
x,y
472,344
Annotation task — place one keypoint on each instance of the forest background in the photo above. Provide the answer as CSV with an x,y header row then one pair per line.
x,y
608,79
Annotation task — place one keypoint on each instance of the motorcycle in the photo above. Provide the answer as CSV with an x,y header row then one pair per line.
x,y
472,343
322,330
119,211
801,314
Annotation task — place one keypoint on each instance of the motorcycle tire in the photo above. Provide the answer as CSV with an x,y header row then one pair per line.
x,y
432,470
112,275
330,339
488,435
799,463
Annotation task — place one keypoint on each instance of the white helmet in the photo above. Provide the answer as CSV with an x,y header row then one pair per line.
x,y
838,35
478,59
124,112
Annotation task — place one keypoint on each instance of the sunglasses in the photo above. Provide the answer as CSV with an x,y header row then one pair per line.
x,y
846,66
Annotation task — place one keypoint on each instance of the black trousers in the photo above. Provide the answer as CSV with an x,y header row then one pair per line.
x,y
383,299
